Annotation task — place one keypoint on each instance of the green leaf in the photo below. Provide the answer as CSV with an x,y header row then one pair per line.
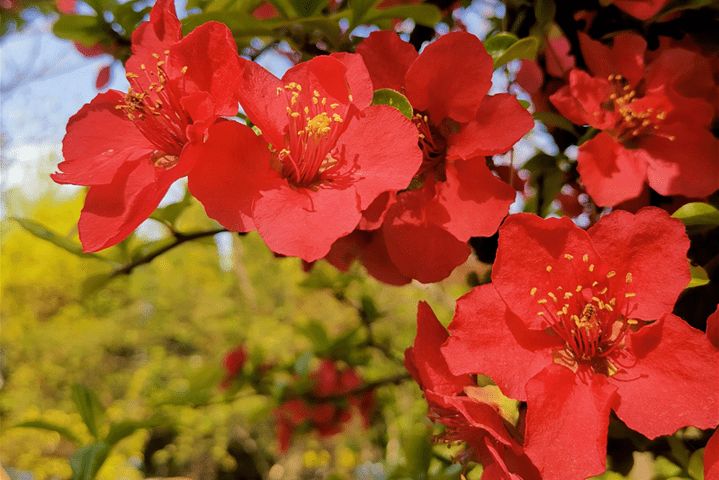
x,y
525,49
544,11
241,24
369,309
387,96
699,276
317,334
43,425
497,44
302,364
664,468
86,462
696,465
148,248
423,14
552,119
698,217
94,283
44,233
124,429
308,8
89,407
360,8
86,29
418,450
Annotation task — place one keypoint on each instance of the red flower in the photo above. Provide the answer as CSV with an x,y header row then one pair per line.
x,y
655,128
129,148
233,363
331,155
579,323
325,417
711,457
468,411
453,196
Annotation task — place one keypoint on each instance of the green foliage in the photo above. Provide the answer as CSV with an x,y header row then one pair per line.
x,y
387,96
506,47
698,217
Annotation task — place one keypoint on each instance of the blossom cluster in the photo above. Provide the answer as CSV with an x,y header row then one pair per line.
x,y
575,323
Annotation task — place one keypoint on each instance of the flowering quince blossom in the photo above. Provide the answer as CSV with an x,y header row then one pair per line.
x,y
654,127
578,323
234,362
453,196
129,148
331,154
324,417
467,410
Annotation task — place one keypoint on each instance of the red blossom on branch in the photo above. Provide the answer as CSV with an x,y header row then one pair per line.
x,y
579,323
655,124
453,196
331,154
129,148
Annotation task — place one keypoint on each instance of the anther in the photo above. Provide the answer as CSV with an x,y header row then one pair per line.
x,y
629,295
611,274
549,268
533,291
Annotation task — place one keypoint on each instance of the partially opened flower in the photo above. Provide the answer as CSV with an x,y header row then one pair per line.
x,y
129,148
473,415
655,124
579,323
330,155
454,196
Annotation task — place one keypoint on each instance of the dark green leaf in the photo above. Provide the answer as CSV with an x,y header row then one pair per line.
x,y
552,119
544,11
316,333
524,49
423,14
89,407
359,11
302,364
43,425
308,8
94,283
698,217
86,29
241,24
369,309
124,429
386,96
86,462
44,233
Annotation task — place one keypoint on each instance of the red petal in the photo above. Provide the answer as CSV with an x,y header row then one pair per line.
x,y
103,77
641,9
450,78
652,247
157,35
235,165
302,223
687,164
208,55
387,162
675,375
410,234
559,61
488,339
611,173
376,260
388,58
99,141
713,328
568,418
113,211
500,122
531,255
257,92
475,200
433,372
358,79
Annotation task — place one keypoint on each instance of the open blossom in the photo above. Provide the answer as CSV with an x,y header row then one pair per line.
x,y
579,323
471,414
655,125
330,155
129,148
453,196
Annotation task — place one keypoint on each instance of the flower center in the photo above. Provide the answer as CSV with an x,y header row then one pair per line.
x,y
433,143
633,121
314,129
156,111
592,320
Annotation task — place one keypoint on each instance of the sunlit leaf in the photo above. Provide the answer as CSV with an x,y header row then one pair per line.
x,y
387,96
86,462
86,29
696,465
423,14
44,233
552,119
699,276
43,425
89,407
503,50
698,217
